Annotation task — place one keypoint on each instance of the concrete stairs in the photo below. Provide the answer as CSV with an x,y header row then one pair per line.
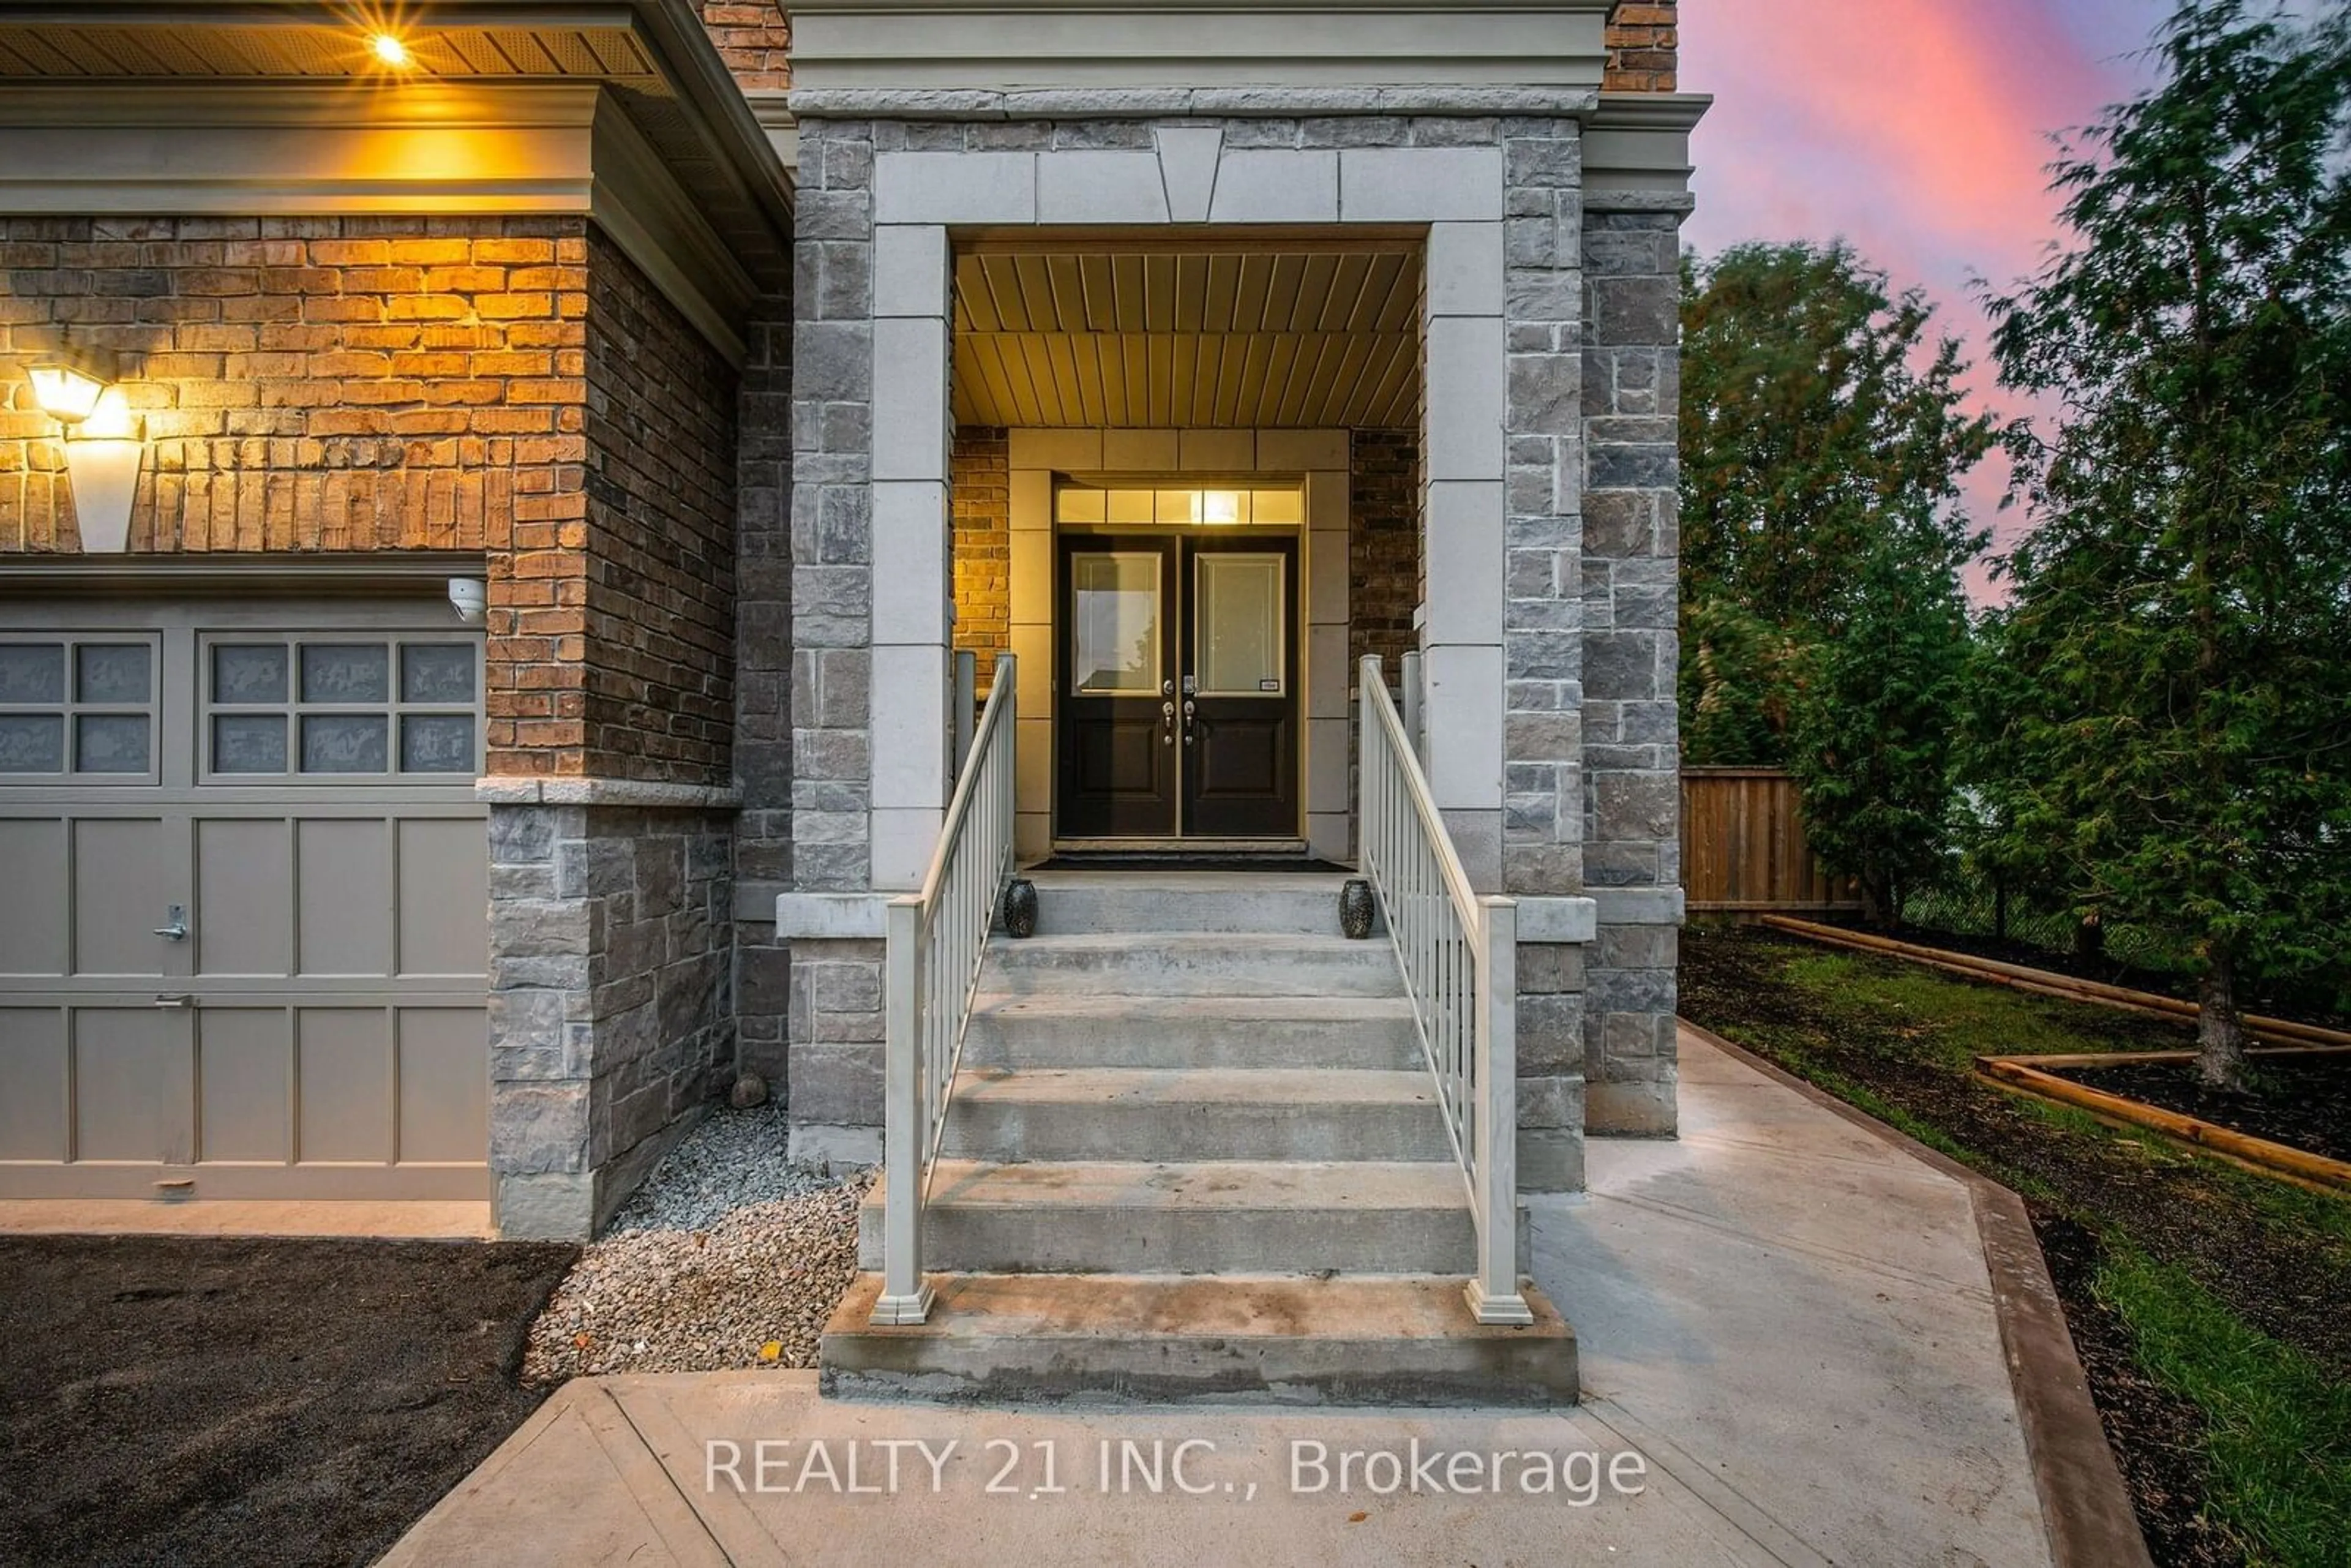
x,y
1192,1152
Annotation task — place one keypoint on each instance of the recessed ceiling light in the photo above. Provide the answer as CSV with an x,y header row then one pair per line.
x,y
391,51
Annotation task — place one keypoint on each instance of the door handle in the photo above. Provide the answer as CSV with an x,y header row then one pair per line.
x,y
1191,711
177,928
175,1001
1167,724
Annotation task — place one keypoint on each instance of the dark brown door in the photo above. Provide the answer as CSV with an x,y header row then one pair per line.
x,y
1239,688
1117,596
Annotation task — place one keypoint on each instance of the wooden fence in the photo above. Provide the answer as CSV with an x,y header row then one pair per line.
x,y
1743,849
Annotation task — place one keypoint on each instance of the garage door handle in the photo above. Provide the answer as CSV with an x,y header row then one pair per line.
x,y
175,1001
177,931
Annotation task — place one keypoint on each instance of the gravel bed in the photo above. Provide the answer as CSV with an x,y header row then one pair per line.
x,y
727,1249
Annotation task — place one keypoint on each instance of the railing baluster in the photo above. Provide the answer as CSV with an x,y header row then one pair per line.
x,y
1460,957
937,941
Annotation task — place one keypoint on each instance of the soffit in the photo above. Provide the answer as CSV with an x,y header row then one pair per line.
x,y
1294,337
655,60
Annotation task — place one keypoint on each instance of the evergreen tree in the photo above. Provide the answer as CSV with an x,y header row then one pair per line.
x,y
1875,723
2177,743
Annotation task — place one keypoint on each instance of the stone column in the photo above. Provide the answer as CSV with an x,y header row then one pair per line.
x,y
1542,823
835,1015
1632,858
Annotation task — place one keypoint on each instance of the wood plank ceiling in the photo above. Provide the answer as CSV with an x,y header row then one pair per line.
x,y
265,49
1281,335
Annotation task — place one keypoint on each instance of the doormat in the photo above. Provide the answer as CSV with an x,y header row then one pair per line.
x,y
1111,861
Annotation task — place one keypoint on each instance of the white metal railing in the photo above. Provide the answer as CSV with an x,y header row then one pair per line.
x,y
1460,956
937,941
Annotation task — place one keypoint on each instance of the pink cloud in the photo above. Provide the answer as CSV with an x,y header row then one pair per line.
x,y
1919,130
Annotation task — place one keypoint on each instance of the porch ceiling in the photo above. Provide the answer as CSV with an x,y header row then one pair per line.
x,y
1294,335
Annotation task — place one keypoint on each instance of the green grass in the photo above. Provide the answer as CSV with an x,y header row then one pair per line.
x,y
1954,1021
2278,1434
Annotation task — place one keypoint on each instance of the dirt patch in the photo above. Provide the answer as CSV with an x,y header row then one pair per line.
x,y
2302,1102
192,1401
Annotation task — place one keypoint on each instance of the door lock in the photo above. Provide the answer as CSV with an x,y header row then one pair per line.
x,y
1191,711
1167,724
177,928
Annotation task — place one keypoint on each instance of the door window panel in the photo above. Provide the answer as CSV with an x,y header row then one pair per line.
x,y
32,743
345,673
342,710
110,743
100,725
1114,623
1240,607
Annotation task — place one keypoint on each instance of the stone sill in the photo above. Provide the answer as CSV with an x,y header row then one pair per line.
x,y
521,790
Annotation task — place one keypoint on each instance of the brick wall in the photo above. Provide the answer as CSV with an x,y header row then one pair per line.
x,y
981,483
659,673
755,40
1644,47
763,686
1382,546
309,383
510,385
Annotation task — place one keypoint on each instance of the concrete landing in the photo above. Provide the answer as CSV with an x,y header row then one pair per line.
x,y
1788,1319
1282,1340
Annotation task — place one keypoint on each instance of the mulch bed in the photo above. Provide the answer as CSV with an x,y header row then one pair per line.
x,y
2302,1102
2173,1208
191,1401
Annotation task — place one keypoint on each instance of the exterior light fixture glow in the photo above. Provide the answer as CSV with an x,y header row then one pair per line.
x,y
69,384
1220,508
390,51
103,452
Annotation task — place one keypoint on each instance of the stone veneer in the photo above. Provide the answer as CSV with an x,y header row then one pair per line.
x,y
1519,637
1632,394
611,1011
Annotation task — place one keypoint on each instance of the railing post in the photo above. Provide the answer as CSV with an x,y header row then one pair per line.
x,y
1494,1295
967,713
905,1294
1412,698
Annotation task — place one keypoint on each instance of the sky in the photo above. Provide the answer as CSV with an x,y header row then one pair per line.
x,y
1919,130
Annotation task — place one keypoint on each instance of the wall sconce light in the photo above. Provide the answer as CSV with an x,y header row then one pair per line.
x,y
68,383
103,457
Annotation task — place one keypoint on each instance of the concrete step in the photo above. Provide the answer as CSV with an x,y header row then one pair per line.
x,y
1192,964
1094,1029
1129,1114
1214,1217
1079,903
1397,1340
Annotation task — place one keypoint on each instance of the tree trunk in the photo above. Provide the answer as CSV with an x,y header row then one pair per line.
x,y
2000,909
2220,1031
2090,938
1877,907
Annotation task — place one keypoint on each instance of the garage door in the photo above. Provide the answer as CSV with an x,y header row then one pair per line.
x,y
242,901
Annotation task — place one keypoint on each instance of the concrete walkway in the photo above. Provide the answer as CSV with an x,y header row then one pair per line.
x,y
1787,1327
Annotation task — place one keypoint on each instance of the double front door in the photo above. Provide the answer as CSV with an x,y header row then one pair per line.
x,y
1178,713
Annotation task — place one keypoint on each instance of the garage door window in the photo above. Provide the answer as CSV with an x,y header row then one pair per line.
x,y
341,708
83,707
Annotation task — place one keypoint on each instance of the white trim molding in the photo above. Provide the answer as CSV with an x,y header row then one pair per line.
x,y
943,44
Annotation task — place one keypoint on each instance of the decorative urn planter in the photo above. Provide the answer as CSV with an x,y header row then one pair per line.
x,y
1356,908
1021,908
